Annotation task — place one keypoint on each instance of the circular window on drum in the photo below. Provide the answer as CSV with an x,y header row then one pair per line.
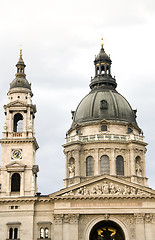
x,y
107,230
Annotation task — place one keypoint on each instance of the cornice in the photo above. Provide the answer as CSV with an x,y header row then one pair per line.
x,y
20,141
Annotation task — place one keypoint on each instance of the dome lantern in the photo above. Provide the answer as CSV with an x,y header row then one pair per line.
x,y
103,76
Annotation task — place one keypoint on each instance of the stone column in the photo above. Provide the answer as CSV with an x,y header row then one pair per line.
x,y
58,231
96,162
8,190
22,184
112,163
74,232
132,162
140,226
66,227
149,226
77,162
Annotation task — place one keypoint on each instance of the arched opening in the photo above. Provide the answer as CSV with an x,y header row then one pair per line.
x,y
15,182
119,165
15,233
18,123
11,233
42,232
46,232
104,165
89,166
107,230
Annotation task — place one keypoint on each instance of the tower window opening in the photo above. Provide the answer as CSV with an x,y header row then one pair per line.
x,y
89,166
119,165
104,128
102,70
15,182
46,232
15,233
42,232
11,233
103,104
104,165
130,130
18,123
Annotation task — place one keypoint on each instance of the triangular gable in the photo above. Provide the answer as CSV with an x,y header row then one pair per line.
x,y
16,103
15,166
105,186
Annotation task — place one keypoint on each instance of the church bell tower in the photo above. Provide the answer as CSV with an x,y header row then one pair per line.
x,y
18,167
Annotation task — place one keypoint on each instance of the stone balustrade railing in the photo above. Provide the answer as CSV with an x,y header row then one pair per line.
x,y
104,137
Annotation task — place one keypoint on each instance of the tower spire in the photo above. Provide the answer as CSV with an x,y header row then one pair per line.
x,y
20,66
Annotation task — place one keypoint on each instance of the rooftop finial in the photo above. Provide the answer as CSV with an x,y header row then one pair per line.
x,y
102,42
20,54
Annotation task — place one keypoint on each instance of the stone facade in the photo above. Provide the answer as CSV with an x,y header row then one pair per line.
x,y
111,202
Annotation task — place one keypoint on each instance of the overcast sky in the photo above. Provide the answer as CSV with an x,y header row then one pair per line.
x,y
59,41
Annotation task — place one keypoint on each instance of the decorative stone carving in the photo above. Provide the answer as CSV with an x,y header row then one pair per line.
x,y
5,127
139,217
74,218
138,169
58,218
66,218
106,188
106,216
70,218
148,217
71,169
130,220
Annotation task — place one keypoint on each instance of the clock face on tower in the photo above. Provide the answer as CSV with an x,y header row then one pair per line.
x,y
16,154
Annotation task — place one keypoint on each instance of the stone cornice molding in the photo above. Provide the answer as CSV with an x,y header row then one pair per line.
x,y
20,141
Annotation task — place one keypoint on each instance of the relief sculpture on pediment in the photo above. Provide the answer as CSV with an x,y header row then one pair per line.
x,y
107,188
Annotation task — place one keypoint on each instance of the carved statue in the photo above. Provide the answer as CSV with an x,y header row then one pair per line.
x,y
112,188
5,127
71,169
138,169
105,188
29,100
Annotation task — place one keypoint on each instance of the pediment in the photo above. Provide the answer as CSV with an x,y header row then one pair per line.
x,y
16,103
15,166
105,186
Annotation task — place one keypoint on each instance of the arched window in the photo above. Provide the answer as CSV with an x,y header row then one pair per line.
x,y
18,123
119,165
104,165
15,233
42,232
15,182
89,166
46,232
11,233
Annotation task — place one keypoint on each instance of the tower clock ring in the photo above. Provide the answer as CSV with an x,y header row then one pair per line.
x,y
16,154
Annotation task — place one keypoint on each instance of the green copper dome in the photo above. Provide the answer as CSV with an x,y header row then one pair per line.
x,y
103,102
